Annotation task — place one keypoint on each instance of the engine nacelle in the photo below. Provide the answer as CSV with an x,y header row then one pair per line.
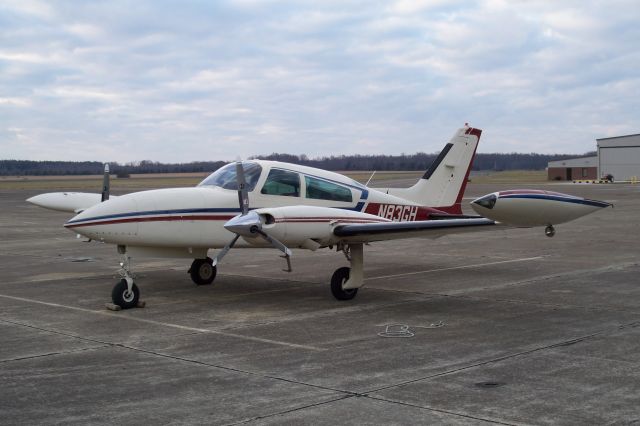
x,y
532,207
309,227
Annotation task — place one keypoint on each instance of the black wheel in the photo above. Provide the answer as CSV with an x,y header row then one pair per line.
x,y
340,276
203,271
124,298
550,231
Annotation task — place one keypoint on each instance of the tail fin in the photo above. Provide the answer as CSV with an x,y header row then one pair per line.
x,y
443,184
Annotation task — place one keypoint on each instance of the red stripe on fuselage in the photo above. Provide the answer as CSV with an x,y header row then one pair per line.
x,y
331,219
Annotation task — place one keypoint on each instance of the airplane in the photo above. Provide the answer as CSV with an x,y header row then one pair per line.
x,y
258,204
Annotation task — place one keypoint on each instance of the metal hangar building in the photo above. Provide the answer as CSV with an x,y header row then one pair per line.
x,y
618,156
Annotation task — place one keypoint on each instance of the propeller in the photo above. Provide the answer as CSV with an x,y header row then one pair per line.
x,y
248,224
105,183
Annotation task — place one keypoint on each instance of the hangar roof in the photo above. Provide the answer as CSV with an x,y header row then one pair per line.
x,y
628,140
575,162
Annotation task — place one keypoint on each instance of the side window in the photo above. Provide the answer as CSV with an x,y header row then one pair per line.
x,y
323,190
282,182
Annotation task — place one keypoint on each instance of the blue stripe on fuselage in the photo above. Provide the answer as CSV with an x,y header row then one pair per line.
x,y
156,212
593,203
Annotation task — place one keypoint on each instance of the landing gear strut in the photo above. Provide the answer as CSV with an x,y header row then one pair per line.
x,y
203,271
125,293
345,281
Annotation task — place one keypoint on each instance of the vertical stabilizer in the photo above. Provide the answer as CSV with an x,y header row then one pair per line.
x,y
443,184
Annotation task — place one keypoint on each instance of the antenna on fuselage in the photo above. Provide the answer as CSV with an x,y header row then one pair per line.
x,y
105,183
370,177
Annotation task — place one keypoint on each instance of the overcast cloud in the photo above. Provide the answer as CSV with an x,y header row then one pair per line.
x,y
204,80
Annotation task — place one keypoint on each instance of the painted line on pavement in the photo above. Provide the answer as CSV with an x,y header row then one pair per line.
x,y
478,265
165,324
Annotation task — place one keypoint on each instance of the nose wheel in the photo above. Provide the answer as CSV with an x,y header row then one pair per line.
x,y
124,297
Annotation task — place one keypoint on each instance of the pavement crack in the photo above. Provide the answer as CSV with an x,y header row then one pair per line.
x,y
53,353
292,410
545,304
179,358
438,410
504,357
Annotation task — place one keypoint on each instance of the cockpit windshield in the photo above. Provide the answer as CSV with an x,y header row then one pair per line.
x,y
225,176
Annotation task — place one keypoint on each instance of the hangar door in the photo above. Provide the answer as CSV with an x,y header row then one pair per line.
x,y
621,162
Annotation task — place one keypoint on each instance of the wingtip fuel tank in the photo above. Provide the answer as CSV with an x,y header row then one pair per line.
x,y
532,207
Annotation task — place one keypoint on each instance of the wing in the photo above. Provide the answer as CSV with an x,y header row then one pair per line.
x,y
369,232
72,202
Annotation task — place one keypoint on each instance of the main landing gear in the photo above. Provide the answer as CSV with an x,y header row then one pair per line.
x,y
345,281
203,271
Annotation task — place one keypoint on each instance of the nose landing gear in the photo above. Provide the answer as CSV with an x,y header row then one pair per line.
x,y
125,293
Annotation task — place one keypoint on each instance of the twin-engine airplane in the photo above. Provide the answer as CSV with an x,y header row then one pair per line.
x,y
271,204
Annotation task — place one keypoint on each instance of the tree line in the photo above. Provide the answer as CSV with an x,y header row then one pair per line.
x,y
418,161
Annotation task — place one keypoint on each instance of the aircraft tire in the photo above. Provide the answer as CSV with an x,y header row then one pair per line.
x,y
203,271
121,296
340,276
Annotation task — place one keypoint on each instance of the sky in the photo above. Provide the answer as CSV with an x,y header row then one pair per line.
x,y
181,81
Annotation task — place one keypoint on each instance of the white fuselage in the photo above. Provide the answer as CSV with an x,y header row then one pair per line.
x,y
194,218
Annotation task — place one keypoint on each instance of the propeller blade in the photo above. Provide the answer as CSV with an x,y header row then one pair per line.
x,y
225,250
243,200
247,223
243,196
250,226
276,244
105,183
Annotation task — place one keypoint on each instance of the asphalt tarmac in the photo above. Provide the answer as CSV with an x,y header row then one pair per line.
x,y
505,327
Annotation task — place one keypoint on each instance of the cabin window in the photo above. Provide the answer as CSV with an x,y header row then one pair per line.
x,y
225,176
585,172
322,190
282,182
